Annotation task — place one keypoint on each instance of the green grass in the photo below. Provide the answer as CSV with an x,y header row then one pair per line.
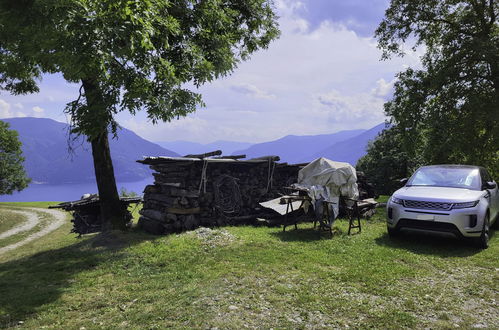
x,y
257,277
383,198
9,220
17,218
28,204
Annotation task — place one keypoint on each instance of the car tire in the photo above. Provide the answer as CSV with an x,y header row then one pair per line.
x,y
482,242
392,232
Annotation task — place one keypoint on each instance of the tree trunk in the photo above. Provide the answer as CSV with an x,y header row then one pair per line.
x,y
112,214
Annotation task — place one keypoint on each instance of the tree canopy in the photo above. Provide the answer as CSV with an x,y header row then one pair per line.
x,y
447,111
127,55
386,162
12,174
135,54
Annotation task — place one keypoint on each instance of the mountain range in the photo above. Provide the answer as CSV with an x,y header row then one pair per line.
x,y
48,160
189,148
345,146
298,149
348,150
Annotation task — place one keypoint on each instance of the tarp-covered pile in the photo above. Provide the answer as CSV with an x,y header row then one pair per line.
x,y
328,180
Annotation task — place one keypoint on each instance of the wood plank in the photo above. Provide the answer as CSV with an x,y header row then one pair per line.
x,y
176,210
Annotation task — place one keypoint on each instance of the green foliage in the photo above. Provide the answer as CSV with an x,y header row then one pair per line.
x,y
126,193
129,54
12,174
447,112
386,162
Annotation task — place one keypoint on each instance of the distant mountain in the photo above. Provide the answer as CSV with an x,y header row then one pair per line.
x,y
349,150
294,148
186,147
45,147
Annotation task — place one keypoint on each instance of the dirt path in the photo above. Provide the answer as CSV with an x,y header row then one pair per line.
x,y
31,220
57,218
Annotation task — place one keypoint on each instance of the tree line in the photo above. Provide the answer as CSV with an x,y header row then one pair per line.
x,y
448,110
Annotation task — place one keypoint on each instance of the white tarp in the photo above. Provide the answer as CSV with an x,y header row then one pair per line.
x,y
275,204
327,179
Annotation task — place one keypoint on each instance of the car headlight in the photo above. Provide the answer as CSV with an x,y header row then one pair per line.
x,y
397,200
465,205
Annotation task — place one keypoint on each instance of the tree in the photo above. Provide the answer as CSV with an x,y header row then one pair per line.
x,y
386,162
12,174
448,111
127,55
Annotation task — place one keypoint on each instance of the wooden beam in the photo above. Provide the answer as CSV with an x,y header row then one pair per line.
x,y
231,157
202,156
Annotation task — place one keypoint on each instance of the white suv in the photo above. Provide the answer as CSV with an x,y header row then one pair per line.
x,y
458,199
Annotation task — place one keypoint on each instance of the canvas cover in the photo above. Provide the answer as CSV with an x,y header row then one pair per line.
x,y
327,179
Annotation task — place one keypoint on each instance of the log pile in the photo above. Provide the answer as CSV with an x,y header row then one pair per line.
x,y
197,191
212,190
86,212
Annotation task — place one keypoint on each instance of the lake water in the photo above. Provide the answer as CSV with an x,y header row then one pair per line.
x,y
67,192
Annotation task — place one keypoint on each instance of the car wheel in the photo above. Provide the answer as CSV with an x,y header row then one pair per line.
x,y
392,232
483,241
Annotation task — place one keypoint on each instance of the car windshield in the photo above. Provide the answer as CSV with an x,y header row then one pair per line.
x,y
455,177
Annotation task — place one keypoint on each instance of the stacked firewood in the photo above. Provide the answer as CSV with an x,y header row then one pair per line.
x,y
195,190
87,213
191,192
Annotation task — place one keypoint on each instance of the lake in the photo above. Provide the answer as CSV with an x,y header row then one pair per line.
x,y
67,192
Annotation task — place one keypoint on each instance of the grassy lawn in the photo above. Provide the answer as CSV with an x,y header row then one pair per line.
x,y
9,220
255,277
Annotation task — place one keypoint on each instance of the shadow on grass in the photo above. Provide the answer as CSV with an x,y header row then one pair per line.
x,y
305,234
28,283
430,244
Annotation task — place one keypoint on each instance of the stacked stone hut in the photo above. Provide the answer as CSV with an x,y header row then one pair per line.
x,y
203,190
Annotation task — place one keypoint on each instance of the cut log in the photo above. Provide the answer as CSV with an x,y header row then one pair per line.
x,y
231,157
202,156
271,158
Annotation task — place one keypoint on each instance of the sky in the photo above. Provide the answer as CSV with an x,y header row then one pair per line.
x,y
323,75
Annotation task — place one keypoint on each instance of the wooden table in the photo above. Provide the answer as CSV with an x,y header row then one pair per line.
x,y
324,219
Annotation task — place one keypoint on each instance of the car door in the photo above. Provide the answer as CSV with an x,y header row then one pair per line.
x,y
494,193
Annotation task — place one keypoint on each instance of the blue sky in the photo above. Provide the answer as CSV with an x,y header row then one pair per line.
x,y
323,75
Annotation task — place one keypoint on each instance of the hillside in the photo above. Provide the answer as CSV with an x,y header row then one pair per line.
x,y
294,148
48,160
349,150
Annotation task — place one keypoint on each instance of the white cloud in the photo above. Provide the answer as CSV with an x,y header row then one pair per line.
x,y
252,90
363,107
307,82
38,109
38,112
383,88
7,112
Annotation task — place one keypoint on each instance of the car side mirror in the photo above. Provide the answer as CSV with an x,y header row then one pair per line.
x,y
490,185
403,181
